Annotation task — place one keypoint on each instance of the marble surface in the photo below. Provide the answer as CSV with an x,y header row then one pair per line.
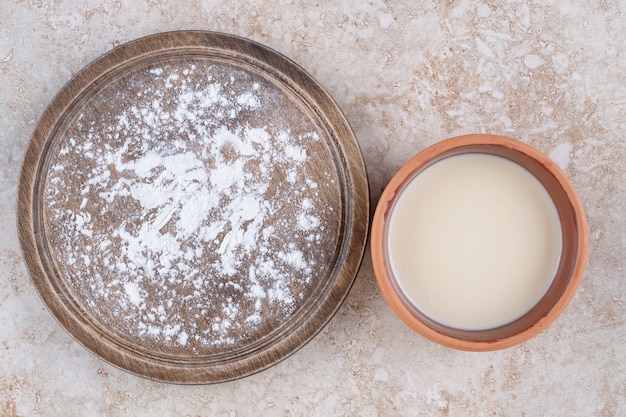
x,y
407,74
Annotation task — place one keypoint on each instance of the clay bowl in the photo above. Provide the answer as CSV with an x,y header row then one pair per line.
x,y
569,270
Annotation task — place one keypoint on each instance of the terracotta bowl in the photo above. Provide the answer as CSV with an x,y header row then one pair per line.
x,y
569,271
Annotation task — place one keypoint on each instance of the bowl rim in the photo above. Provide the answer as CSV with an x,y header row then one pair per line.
x,y
461,339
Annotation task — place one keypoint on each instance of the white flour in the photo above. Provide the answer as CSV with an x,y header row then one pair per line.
x,y
202,213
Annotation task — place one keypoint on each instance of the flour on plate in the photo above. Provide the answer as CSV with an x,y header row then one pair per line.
x,y
179,223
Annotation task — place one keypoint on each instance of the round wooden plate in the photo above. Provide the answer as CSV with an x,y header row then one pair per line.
x,y
193,207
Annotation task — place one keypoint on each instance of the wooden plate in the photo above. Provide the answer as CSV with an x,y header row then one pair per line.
x,y
193,207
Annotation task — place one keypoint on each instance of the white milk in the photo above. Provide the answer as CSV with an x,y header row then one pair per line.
x,y
474,241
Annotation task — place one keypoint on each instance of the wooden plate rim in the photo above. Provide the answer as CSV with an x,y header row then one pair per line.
x,y
291,76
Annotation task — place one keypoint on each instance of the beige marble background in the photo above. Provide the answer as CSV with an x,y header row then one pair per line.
x,y
551,73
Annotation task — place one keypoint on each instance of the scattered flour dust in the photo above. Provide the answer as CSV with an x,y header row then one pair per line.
x,y
169,219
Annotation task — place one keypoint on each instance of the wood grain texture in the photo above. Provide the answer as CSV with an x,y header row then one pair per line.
x,y
98,91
